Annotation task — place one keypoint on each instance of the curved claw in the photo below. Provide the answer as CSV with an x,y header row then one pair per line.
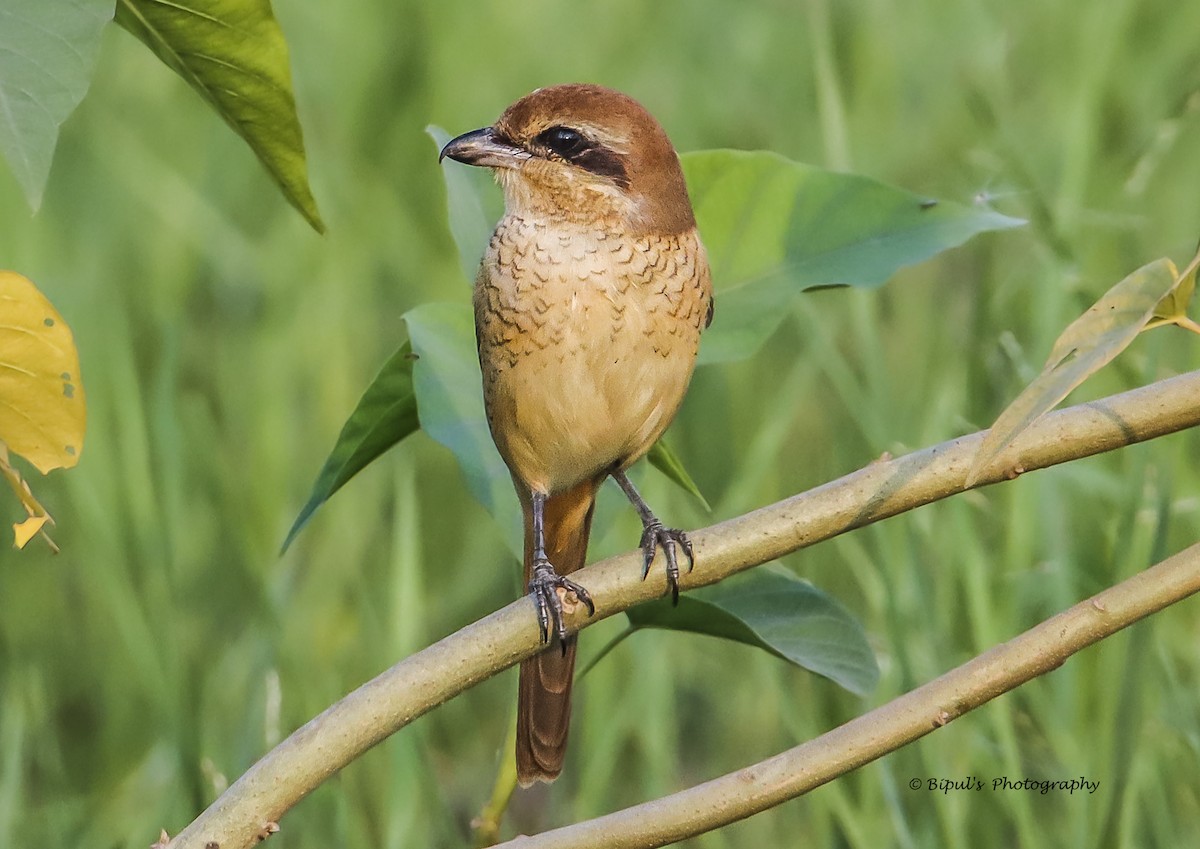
x,y
655,536
544,588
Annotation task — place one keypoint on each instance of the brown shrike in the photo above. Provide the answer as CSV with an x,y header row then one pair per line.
x,y
589,305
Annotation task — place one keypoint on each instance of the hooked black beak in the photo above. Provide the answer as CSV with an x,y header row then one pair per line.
x,y
484,147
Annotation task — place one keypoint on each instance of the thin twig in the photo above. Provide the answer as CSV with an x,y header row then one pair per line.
x,y
425,680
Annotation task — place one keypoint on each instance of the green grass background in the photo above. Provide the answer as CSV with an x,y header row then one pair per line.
x,y
223,343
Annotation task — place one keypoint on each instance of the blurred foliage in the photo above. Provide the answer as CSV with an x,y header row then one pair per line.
x,y
225,344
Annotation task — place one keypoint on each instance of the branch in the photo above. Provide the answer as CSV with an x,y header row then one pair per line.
x,y
793,773
294,768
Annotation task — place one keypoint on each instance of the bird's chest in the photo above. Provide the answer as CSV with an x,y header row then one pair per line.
x,y
560,293
585,345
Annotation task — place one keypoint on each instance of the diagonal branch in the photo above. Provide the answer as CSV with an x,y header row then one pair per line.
x,y
793,773
425,680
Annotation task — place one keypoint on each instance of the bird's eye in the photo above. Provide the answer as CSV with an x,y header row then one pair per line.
x,y
564,141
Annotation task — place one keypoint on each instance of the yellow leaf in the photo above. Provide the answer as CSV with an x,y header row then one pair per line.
x,y
42,407
27,530
1088,343
38,517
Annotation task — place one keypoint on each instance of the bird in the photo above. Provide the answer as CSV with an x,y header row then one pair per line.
x,y
589,304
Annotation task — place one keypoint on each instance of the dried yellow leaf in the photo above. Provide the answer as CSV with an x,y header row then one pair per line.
x,y
27,530
38,517
42,407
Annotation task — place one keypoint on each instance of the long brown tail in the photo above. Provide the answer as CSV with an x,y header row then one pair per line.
x,y
544,691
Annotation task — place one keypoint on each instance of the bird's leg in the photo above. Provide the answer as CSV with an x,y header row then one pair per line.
x,y
655,535
544,582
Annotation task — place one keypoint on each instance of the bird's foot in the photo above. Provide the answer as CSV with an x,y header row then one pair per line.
x,y
655,536
544,587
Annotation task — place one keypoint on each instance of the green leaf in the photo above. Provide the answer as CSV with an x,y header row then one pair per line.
x,y
774,228
386,413
233,53
47,52
449,392
772,609
473,205
1084,347
663,458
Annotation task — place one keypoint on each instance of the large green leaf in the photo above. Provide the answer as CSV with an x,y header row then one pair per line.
x,y
233,53
774,228
772,609
386,413
450,400
47,51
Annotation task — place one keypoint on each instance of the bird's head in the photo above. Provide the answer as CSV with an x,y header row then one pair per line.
x,y
583,154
